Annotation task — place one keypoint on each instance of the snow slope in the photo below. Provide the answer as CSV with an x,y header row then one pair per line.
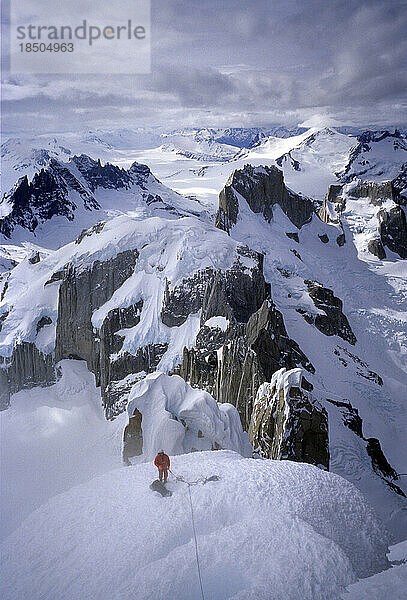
x,y
53,439
378,156
391,583
313,164
265,527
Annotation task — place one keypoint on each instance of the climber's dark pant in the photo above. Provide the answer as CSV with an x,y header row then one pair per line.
x,y
163,473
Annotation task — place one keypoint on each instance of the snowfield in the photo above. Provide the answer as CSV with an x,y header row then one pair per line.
x,y
52,439
391,583
266,527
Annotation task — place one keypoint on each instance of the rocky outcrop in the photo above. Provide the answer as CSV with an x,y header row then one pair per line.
x,y
55,189
231,364
133,437
28,367
391,216
47,195
287,423
262,188
332,205
184,299
324,238
81,293
380,464
400,183
267,336
235,294
111,343
361,163
377,192
375,247
333,322
4,389
393,230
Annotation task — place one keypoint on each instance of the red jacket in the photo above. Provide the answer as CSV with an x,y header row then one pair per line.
x,y
162,461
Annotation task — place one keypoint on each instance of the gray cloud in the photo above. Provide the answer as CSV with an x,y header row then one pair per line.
x,y
233,64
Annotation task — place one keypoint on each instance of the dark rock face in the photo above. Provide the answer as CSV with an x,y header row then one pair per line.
x,y
293,236
232,364
267,336
3,317
118,393
334,322
48,194
262,188
145,360
341,240
376,247
185,299
350,416
29,367
44,197
83,292
379,461
288,424
4,389
333,196
80,294
400,183
111,343
376,192
234,295
43,322
238,378
109,176
393,230
380,464
133,438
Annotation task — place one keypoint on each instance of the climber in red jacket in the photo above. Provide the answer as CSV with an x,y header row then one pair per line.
x,y
162,462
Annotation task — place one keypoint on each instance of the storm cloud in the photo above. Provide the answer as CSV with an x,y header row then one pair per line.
x,y
228,63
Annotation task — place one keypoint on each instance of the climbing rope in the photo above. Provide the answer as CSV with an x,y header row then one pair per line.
x,y
202,480
196,543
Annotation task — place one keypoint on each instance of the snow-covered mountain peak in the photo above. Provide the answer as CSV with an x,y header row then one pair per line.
x,y
62,198
378,156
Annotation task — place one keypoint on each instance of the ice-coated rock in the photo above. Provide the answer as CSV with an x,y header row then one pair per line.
x,y
262,188
287,423
333,322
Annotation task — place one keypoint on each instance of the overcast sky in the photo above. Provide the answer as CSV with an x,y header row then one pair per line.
x,y
235,63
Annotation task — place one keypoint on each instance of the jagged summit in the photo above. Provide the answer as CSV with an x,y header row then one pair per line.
x,y
62,198
262,188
